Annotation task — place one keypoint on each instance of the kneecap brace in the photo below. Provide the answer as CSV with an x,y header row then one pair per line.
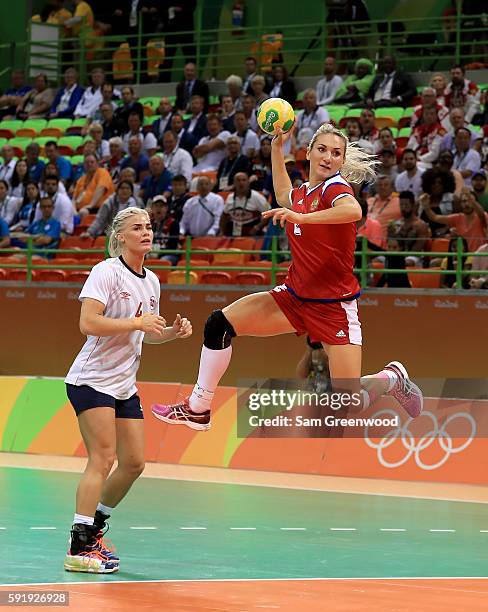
x,y
218,331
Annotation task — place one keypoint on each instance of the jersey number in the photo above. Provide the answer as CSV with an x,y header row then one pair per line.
x,y
139,310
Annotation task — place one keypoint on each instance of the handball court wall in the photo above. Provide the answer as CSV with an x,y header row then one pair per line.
x,y
436,335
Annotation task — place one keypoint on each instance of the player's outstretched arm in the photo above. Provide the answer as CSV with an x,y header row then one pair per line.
x,y
281,181
345,210
180,329
94,323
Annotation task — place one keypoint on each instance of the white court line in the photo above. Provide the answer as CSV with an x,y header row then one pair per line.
x,y
193,528
243,528
342,528
442,530
42,528
142,527
293,528
3,528
391,529
315,579
481,530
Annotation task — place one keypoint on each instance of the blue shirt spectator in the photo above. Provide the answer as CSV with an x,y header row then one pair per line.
x,y
62,164
4,234
140,164
47,230
34,164
158,182
14,94
67,97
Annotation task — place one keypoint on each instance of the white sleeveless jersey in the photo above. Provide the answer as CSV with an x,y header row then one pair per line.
x,y
109,364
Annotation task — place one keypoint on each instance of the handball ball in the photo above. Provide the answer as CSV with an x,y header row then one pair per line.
x,y
275,113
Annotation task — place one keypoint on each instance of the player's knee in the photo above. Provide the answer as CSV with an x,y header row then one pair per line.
x,y
134,468
218,332
103,461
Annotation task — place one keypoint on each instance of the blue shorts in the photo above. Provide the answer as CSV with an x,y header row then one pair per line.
x,y
84,397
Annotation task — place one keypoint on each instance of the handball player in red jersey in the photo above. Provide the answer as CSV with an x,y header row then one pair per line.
x,y
319,295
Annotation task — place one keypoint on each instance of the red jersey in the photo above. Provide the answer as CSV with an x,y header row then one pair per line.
x,y
323,254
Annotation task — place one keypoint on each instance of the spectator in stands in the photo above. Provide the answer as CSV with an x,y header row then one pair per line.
x,y
429,99
36,102
108,122
129,106
426,138
210,150
108,97
234,87
14,95
371,229
387,166
354,132
92,97
176,159
93,188
163,124
309,119
385,141
283,86
242,211
201,213
457,120
19,180
461,92
82,17
63,210
394,262
261,166
478,184
445,162
179,19
114,163
148,141
120,200
327,87
102,150
367,119
62,164
295,176
249,110
136,159
227,113
67,98
52,169
470,224
250,67
46,231
466,159
479,264
28,208
390,87
258,85
8,164
356,86
247,137
195,126
179,196
157,182
34,164
384,207
9,205
189,87
166,229
438,82
410,231
4,235
177,127
438,186
411,177
232,163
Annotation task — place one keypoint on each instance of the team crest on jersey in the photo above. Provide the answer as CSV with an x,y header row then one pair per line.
x,y
125,295
152,302
314,205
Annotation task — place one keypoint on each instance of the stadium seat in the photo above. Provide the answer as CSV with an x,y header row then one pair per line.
x,y
159,271
19,145
351,112
76,276
149,120
3,274
100,242
75,127
152,101
8,128
178,277
59,261
68,144
405,119
76,243
31,128
266,269
250,278
17,274
62,124
403,136
224,194
53,133
439,245
382,122
216,278
56,276
335,113
236,257
425,280
280,277
244,243
41,141
194,262
90,261
377,265
208,243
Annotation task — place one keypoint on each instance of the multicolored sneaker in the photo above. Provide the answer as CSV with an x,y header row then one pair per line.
x,y
86,555
104,544
180,414
406,392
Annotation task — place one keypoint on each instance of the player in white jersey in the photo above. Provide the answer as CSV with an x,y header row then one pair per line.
x,y
119,311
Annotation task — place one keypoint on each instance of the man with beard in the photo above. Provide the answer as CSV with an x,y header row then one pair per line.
x,y
410,231
411,178
462,93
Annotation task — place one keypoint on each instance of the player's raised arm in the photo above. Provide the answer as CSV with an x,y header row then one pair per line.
x,y
281,181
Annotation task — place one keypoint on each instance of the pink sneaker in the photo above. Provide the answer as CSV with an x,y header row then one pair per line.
x,y
180,414
406,392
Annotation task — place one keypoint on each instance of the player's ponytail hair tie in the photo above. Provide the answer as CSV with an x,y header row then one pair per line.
x,y
358,165
118,224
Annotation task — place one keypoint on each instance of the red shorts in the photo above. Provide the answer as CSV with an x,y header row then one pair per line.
x,y
329,322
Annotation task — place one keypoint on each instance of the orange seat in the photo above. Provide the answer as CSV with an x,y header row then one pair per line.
x,y
17,274
280,277
425,280
250,278
216,278
87,221
91,261
178,277
162,274
224,194
245,243
236,258
266,265
194,262
52,131
76,276
57,276
439,245
210,243
3,274
382,122
75,243
377,265
64,261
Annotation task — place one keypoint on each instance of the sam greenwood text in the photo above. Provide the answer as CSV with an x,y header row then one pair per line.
x,y
329,421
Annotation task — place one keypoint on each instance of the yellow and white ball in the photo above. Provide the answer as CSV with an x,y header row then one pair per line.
x,y
275,113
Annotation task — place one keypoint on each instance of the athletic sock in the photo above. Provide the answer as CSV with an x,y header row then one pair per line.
x,y
83,520
370,395
107,510
213,364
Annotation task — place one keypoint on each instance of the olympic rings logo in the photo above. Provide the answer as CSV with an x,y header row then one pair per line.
x,y
414,447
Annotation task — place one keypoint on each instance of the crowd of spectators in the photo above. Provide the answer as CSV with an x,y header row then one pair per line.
x,y
204,169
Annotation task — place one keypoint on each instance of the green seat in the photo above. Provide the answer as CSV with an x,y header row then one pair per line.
x,y
69,144
34,124
150,120
80,122
353,112
41,140
172,100
3,141
405,132
10,126
151,101
395,112
62,124
335,114
408,112
77,159
300,95
212,100
20,143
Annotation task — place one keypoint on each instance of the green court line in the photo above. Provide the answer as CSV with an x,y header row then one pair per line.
x,y
40,498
